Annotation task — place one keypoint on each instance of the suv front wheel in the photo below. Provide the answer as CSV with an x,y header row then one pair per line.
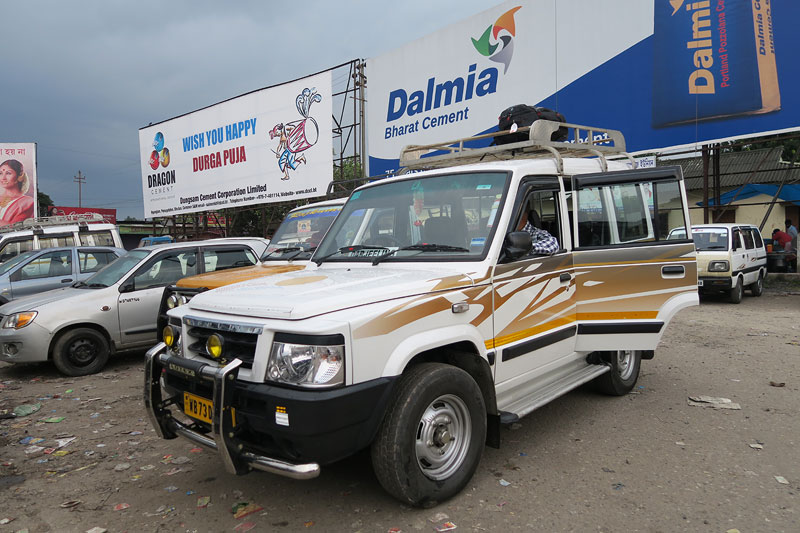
x,y
432,435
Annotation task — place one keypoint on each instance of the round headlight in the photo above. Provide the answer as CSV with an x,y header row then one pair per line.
x,y
169,335
172,301
214,346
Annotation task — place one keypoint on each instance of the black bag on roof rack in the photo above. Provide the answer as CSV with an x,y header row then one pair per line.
x,y
525,115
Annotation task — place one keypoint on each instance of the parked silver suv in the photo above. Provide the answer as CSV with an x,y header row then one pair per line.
x,y
115,309
53,268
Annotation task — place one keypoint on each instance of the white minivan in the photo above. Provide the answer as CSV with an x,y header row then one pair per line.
x,y
730,258
51,232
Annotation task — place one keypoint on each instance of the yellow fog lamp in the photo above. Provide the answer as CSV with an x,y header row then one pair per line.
x,y
214,346
170,336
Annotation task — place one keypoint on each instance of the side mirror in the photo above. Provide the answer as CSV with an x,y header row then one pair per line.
x,y
517,244
127,287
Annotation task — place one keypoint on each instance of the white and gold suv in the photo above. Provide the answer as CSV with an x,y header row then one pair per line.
x,y
423,320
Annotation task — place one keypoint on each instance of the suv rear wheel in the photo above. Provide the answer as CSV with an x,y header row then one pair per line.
x,y
757,288
432,435
624,372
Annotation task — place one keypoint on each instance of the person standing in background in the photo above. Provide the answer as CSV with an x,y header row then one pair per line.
x,y
790,229
15,205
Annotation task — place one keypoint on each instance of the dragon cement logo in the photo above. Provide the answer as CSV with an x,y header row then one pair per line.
x,y
499,49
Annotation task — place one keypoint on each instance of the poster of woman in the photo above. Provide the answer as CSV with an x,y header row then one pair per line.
x,y
17,182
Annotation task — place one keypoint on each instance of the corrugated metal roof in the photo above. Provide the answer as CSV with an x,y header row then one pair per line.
x,y
738,168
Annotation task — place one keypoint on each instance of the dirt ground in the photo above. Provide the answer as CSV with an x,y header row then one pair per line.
x,y
648,461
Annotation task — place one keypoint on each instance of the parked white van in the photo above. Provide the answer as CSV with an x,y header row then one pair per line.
x,y
50,232
425,319
730,258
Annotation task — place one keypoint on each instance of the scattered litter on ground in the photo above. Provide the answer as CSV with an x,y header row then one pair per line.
x,y
171,488
97,529
34,449
173,471
203,501
121,506
447,526
189,492
777,384
70,504
607,470
26,409
782,480
196,450
180,460
242,509
245,526
438,517
122,466
617,486
309,523
756,446
680,443
504,483
146,467
713,402
5,521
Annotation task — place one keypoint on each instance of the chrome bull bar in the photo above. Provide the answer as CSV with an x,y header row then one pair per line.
x,y
235,459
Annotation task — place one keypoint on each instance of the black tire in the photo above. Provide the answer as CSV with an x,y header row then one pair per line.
x,y
625,365
736,293
757,288
80,352
416,455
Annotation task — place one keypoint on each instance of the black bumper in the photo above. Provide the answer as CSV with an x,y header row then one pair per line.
x,y
714,284
257,423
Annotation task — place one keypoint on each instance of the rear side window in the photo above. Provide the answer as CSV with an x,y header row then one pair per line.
x,y
97,238
14,248
228,258
91,261
52,241
759,242
632,212
48,265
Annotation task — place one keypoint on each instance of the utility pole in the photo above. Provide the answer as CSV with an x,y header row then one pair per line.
x,y
79,179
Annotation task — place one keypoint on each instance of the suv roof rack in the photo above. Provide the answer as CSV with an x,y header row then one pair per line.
x,y
58,220
595,142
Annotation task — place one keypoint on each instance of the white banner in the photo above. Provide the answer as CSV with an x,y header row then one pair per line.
x,y
17,182
271,145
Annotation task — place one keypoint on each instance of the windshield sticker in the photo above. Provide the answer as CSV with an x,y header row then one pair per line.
x,y
484,187
477,241
355,195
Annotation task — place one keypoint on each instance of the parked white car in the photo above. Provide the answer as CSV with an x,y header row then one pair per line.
x,y
730,258
115,309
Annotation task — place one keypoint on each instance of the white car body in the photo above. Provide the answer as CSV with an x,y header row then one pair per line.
x,y
123,314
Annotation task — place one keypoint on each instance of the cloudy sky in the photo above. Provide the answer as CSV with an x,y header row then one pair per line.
x,y
81,77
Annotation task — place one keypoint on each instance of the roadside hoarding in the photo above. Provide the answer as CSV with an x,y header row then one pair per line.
x,y
106,215
18,182
271,145
664,72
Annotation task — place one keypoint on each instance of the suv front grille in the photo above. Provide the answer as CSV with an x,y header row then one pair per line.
x,y
235,342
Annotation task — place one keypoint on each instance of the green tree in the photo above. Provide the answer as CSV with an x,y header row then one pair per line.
x,y
45,203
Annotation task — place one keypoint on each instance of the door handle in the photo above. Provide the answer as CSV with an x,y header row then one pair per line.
x,y
673,270
564,277
66,280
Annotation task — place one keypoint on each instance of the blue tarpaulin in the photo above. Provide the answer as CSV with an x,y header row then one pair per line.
x,y
789,193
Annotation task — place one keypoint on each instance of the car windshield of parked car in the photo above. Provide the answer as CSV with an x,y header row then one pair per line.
x,y
710,238
113,272
14,261
300,233
446,217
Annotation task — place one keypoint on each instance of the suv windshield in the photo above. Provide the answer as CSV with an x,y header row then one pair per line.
x,y
710,238
113,272
14,261
300,233
447,217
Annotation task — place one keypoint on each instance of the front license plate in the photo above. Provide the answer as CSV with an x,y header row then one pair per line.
x,y
197,407
699,282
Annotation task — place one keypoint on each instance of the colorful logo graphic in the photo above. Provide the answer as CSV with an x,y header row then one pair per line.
x,y
297,136
160,154
499,49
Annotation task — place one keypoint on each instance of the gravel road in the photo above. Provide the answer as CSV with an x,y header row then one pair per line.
x,y
648,461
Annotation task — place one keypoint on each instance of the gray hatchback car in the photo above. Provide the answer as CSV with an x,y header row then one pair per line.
x,y
52,268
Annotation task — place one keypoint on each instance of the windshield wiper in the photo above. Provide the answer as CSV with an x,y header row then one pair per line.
x,y
78,284
96,285
346,249
282,251
421,248
713,248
